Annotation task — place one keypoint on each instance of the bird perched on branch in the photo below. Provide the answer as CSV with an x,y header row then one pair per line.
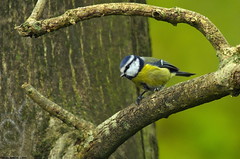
x,y
148,73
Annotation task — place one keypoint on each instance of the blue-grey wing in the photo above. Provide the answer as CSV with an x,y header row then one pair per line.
x,y
160,63
164,64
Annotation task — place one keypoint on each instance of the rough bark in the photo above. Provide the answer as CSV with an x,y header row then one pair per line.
x,y
76,67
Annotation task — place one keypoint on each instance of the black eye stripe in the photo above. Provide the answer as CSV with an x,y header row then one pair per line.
x,y
127,67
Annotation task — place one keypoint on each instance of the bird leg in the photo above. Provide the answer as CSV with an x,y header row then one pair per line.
x,y
146,88
158,88
140,97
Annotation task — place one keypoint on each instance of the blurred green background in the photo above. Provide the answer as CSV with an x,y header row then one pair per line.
x,y
212,130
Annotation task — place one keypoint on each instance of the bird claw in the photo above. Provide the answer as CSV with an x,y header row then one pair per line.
x,y
158,89
139,98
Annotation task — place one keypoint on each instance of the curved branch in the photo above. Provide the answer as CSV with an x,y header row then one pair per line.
x,y
117,129
171,15
37,11
57,111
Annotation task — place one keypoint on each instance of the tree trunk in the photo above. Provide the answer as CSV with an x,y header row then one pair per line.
x,y
76,67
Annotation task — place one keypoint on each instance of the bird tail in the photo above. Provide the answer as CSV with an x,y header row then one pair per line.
x,y
186,74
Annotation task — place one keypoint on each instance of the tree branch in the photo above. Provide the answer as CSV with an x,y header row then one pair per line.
x,y
122,125
171,15
57,111
37,11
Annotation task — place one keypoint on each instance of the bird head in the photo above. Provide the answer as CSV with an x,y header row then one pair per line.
x,y
130,66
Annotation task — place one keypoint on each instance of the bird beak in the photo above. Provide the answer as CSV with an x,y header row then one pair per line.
x,y
122,75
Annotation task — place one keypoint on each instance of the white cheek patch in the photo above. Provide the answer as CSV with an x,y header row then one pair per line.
x,y
133,69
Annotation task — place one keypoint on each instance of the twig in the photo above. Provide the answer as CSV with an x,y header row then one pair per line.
x,y
171,15
56,110
37,11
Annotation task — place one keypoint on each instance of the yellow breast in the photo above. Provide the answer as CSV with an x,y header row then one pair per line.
x,y
152,76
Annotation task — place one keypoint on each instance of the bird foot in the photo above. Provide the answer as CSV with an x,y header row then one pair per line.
x,y
158,89
139,98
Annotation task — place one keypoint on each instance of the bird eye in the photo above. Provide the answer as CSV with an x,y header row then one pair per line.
x,y
127,67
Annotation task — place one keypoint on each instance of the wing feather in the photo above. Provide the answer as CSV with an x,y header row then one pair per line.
x,y
160,63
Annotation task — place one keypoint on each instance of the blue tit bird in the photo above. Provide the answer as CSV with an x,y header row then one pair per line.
x,y
148,73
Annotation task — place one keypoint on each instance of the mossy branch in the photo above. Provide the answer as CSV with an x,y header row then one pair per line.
x,y
56,110
37,11
171,15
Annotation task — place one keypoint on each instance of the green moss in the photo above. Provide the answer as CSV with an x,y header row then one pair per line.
x,y
37,26
126,126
